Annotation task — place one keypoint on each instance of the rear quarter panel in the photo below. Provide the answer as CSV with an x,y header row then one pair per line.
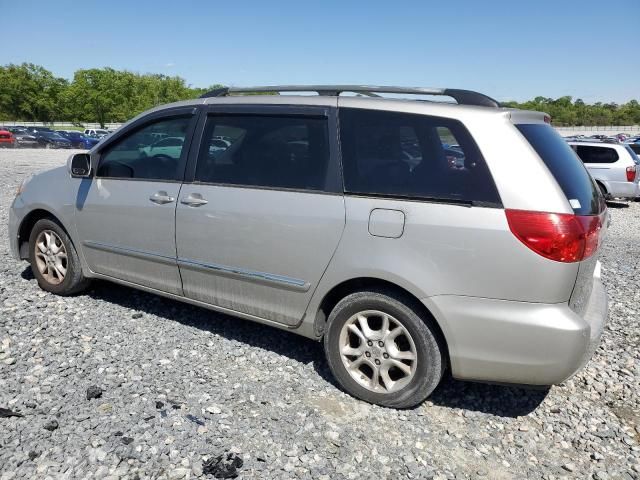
x,y
446,250
460,250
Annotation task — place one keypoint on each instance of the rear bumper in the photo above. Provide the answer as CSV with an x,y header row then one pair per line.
x,y
629,190
517,342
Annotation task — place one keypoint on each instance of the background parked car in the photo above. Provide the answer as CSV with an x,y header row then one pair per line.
x,y
96,132
7,140
614,166
25,139
167,147
50,139
78,139
35,130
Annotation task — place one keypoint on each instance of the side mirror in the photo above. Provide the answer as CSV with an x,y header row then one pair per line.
x,y
80,165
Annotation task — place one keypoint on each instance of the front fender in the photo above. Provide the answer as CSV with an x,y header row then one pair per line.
x,y
52,192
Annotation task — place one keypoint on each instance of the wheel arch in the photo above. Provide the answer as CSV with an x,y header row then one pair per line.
x,y
603,187
24,230
347,287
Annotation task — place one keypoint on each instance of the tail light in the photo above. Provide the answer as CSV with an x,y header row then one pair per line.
x,y
562,237
631,174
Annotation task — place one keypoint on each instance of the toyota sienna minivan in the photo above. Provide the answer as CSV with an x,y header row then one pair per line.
x,y
411,237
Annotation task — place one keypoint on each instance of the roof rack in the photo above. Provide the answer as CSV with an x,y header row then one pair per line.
x,y
463,97
591,140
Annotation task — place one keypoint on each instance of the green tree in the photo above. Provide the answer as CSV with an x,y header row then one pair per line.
x,y
30,92
565,112
96,95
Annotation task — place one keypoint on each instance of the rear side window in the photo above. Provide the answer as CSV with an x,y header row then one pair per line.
x,y
566,167
590,154
413,156
289,152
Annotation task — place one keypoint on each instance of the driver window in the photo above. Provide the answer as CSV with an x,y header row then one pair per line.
x,y
152,152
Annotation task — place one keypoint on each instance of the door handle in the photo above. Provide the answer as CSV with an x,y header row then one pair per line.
x,y
161,198
194,200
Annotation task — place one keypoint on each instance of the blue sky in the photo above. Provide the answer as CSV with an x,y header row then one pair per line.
x,y
508,49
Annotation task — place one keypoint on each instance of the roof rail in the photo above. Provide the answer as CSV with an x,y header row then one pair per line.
x,y
591,140
463,97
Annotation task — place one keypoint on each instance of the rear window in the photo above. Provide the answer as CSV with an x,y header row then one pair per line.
x,y
633,152
573,178
591,154
400,155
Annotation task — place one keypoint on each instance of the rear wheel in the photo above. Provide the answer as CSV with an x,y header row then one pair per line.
x,y
54,260
381,350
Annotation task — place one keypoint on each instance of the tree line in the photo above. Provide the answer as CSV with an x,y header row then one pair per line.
x,y
565,112
30,92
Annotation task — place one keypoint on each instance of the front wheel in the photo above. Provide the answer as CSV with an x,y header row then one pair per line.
x,y
54,260
382,349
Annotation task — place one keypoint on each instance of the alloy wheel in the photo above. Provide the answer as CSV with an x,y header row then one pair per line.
x,y
51,257
378,351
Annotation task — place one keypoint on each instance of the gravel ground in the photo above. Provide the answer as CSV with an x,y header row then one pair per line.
x,y
181,385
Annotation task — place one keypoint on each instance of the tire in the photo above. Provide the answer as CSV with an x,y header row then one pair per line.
x,y
73,281
419,339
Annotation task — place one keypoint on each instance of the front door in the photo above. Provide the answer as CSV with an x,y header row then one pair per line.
x,y
259,223
126,212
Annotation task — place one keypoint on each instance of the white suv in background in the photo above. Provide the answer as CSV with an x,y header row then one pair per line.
x,y
614,166
96,132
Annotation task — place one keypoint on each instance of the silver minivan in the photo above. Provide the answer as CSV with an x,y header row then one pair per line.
x,y
412,237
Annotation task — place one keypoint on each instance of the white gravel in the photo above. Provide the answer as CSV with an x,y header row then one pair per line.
x,y
182,385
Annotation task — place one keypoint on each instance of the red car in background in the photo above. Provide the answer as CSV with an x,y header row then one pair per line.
x,y
7,139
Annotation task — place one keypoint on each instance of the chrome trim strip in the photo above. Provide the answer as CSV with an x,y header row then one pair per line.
x,y
130,252
272,279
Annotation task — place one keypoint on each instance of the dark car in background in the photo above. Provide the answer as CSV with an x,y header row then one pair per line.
x,y
78,139
51,139
25,139
35,130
